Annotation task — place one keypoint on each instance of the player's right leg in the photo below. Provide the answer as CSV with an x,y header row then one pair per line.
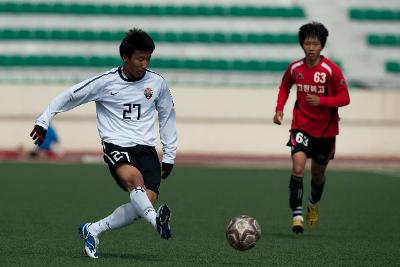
x,y
296,191
124,164
142,199
162,220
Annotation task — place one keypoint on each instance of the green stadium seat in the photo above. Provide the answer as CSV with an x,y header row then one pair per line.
x,y
203,37
174,63
106,36
188,37
59,8
218,37
149,10
170,10
171,37
6,61
298,12
218,11
203,11
383,40
186,10
25,34
89,35
75,35
254,38
356,14
287,38
390,40
139,10
393,67
7,7
8,34
157,36
191,64
40,34
236,11
43,8
162,63
373,39
28,7
156,10
374,14
57,35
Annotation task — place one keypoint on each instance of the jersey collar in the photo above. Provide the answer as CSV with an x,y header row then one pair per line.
x,y
123,76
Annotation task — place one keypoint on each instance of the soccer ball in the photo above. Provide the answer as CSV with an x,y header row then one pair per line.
x,y
243,232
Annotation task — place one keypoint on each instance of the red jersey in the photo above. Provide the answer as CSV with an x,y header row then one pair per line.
x,y
324,80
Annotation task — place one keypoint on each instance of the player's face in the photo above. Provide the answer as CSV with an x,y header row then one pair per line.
x,y
312,49
135,66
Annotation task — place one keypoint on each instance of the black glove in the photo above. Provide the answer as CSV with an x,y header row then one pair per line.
x,y
38,134
166,169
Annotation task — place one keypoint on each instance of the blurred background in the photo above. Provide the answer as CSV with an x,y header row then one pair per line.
x,y
223,61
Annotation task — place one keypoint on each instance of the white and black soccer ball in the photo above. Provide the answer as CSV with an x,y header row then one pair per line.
x,y
243,232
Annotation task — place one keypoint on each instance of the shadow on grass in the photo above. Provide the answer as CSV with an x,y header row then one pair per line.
x,y
291,235
133,256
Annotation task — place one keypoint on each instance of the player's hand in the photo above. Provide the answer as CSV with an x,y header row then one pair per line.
x,y
166,169
38,134
278,117
312,100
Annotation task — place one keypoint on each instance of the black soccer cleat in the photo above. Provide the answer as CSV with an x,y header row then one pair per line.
x,y
162,221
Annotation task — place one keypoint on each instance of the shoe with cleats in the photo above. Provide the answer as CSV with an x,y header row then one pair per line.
x,y
162,221
91,241
297,225
312,215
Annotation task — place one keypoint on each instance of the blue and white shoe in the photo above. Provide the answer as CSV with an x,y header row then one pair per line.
x,y
91,241
162,221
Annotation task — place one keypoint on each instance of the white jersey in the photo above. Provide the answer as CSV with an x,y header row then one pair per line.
x,y
125,109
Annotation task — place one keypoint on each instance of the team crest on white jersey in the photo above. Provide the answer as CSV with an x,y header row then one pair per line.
x,y
148,93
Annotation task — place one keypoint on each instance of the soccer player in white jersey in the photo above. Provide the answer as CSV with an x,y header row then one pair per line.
x,y
127,98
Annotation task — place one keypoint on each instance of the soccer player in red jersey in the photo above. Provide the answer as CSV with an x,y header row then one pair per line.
x,y
321,90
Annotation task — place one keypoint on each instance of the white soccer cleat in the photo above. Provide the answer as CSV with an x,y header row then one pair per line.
x,y
91,241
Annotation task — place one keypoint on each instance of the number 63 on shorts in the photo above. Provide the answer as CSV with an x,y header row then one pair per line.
x,y
320,149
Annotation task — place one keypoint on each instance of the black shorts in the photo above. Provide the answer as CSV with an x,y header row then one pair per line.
x,y
142,157
322,150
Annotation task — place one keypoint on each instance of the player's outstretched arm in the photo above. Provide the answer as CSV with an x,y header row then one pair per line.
x,y
38,134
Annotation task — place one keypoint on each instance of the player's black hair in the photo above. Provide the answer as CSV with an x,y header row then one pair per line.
x,y
313,29
136,39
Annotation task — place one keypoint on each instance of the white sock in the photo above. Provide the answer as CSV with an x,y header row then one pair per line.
x,y
122,216
143,205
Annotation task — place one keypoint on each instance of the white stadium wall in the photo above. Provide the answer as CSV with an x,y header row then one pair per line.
x,y
212,121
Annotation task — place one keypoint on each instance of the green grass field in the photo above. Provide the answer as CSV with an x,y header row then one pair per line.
x,y
42,205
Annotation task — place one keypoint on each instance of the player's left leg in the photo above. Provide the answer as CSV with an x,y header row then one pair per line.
x,y
317,187
323,152
90,232
121,216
